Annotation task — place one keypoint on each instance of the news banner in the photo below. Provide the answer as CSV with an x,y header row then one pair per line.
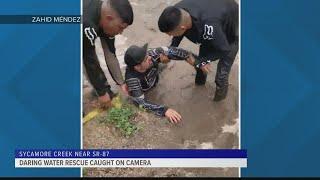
x,y
123,158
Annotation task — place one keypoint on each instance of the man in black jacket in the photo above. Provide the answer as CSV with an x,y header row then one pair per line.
x,y
142,74
104,19
213,24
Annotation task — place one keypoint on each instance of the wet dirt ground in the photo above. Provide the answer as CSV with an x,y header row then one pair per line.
x,y
206,124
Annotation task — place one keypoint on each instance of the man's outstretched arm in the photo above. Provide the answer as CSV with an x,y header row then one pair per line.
x,y
175,42
94,72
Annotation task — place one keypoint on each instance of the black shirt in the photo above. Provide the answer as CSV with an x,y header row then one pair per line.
x,y
92,30
214,26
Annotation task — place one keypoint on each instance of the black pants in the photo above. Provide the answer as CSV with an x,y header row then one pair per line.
x,y
223,69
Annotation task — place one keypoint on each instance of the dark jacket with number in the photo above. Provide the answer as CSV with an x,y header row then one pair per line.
x,y
91,31
214,26
139,83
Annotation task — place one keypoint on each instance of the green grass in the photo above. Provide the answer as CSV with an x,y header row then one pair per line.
x,y
120,117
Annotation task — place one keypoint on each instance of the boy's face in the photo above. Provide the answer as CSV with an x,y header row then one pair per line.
x,y
144,65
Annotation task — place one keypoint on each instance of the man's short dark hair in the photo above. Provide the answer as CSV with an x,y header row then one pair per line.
x,y
169,19
124,9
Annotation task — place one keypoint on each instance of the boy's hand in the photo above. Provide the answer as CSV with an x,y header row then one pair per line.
x,y
164,59
173,116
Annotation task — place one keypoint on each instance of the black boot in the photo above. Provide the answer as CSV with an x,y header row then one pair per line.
x,y
221,93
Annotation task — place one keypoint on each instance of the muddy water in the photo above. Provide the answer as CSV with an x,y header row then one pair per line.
x,y
203,119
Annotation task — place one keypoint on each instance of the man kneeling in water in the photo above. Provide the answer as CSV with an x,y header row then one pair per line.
x,y
142,74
